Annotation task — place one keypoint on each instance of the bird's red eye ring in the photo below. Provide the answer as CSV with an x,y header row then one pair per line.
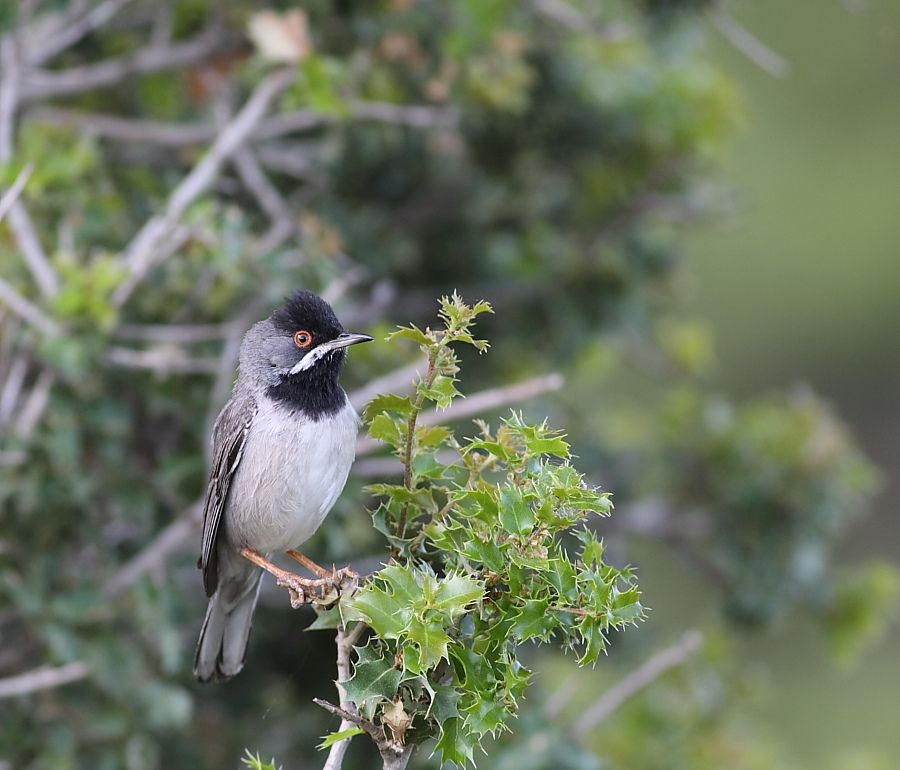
x,y
303,339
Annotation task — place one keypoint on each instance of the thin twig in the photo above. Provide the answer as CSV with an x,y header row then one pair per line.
x,y
748,44
73,30
35,404
154,555
19,222
126,129
179,334
141,252
46,84
27,311
400,380
167,359
572,19
43,678
15,190
643,676
255,180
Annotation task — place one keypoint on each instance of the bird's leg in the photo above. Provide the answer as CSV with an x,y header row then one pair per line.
x,y
302,590
309,564
335,574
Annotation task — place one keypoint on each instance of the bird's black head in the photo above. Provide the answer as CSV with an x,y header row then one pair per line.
x,y
306,347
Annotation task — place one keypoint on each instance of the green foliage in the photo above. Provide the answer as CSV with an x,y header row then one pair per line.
x,y
491,550
255,763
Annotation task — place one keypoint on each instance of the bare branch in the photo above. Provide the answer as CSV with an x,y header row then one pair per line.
x,y
164,359
45,84
126,129
141,253
255,180
478,403
572,19
413,115
400,380
43,678
179,334
35,404
27,311
748,44
12,387
664,660
73,30
156,553
19,221
344,642
29,244
15,190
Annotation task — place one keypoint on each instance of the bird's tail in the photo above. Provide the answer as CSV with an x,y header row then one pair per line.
x,y
226,629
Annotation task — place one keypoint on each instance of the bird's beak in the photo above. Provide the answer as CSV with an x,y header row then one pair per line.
x,y
345,340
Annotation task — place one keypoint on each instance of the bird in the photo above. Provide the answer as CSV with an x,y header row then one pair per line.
x,y
282,448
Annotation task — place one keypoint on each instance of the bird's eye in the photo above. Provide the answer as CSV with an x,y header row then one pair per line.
x,y
303,339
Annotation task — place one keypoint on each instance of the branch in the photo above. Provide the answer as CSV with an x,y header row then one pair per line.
x,y
155,554
45,84
393,755
141,254
401,379
43,678
27,311
572,19
664,660
344,642
179,334
126,129
749,45
167,359
20,223
256,181
75,29
15,190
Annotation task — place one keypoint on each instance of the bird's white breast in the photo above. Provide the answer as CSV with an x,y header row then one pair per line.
x,y
290,475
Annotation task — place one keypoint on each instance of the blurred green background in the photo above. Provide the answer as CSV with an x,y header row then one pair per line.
x,y
628,189
803,286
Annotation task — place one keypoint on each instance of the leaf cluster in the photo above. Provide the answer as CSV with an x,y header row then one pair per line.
x,y
492,548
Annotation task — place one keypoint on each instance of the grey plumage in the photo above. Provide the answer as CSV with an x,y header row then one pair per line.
x,y
282,450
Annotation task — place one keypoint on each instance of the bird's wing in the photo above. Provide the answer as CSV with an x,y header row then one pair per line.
x,y
229,437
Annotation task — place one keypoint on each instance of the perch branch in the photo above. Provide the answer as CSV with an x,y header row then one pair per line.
x,y
344,642
15,190
27,311
74,29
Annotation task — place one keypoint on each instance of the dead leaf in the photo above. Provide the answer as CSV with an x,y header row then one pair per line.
x,y
281,37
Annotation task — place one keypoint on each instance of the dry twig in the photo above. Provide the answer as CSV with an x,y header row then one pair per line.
x,y
664,660
43,678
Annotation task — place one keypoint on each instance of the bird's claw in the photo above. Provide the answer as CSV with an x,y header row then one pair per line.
x,y
319,591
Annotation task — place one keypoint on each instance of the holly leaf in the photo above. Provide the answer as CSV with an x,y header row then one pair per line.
x,y
375,678
340,735
516,516
431,640
455,593
454,745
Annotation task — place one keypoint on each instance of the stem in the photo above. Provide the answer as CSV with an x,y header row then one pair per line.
x,y
430,374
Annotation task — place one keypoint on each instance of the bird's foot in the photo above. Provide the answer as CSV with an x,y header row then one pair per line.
x,y
324,590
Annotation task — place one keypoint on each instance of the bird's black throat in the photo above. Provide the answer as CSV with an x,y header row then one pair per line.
x,y
314,391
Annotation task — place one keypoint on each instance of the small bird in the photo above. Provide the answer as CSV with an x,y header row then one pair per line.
x,y
282,450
